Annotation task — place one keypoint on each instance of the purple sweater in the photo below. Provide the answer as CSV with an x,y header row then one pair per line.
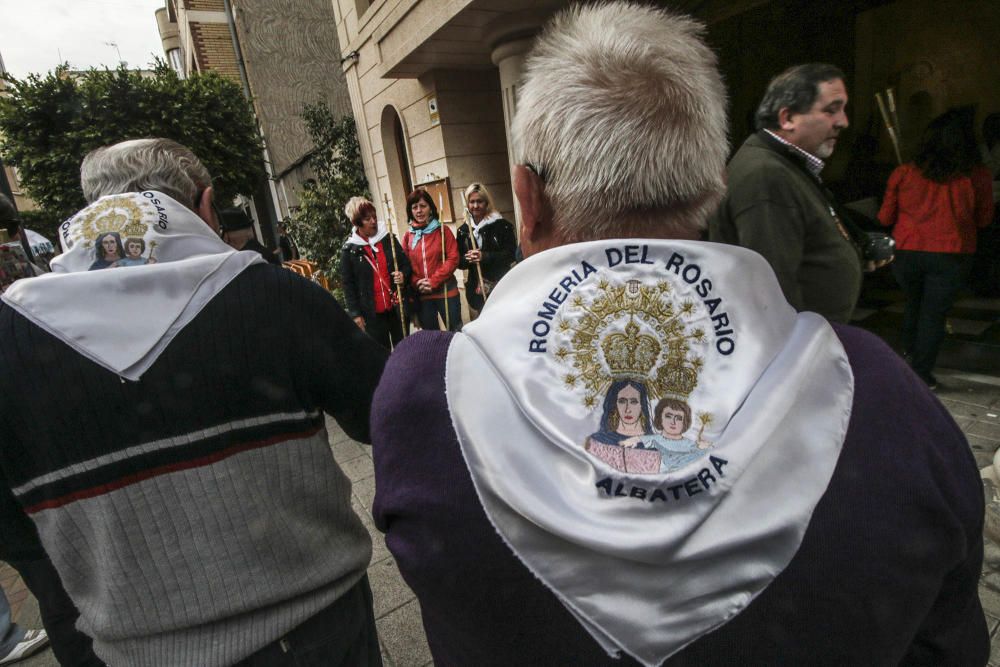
x,y
886,574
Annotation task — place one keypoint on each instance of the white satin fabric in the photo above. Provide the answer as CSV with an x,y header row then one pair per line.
x,y
124,317
478,229
650,577
358,239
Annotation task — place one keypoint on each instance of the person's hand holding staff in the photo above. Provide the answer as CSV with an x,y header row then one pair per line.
x,y
390,223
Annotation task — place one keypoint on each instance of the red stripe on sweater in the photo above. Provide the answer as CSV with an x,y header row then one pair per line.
x,y
135,478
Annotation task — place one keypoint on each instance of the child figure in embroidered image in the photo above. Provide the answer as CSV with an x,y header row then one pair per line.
x,y
134,247
673,417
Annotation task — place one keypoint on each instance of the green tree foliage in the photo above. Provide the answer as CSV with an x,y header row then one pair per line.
x,y
320,227
49,123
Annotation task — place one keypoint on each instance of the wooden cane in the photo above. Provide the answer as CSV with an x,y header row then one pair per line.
x,y
889,126
395,264
890,98
475,246
444,260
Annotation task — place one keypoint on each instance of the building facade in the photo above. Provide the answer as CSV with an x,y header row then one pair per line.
x,y
433,83
433,87
285,55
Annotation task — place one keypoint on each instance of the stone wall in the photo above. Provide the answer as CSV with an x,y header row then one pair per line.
x,y
292,58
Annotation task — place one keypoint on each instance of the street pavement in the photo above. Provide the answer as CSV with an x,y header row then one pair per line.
x,y
973,400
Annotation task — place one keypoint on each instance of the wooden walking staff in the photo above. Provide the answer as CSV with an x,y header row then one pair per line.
x,y
475,246
888,119
444,260
890,97
390,223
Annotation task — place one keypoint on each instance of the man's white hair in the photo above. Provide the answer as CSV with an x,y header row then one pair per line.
x,y
622,113
144,164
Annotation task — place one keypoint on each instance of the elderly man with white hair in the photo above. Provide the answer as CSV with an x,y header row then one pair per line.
x,y
164,427
811,503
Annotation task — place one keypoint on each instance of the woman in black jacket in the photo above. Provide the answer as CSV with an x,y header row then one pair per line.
x,y
370,274
493,250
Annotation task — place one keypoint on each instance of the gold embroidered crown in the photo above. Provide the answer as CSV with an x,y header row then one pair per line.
x,y
112,221
113,214
630,354
676,380
654,347
134,228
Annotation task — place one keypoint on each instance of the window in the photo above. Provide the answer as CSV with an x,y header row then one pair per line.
x,y
175,61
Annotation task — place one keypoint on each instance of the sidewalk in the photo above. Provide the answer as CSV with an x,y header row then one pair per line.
x,y
974,402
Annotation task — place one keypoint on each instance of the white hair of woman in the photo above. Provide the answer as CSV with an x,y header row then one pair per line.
x,y
622,114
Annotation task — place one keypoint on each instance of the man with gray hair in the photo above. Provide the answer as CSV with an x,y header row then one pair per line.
x,y
164,428
546,511
776,202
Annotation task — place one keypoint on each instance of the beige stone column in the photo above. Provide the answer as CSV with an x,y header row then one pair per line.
x,y
350,66
509,58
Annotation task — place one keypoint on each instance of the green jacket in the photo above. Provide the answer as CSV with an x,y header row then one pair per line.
x,y
773,205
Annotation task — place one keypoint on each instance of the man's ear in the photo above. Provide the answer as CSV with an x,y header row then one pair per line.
x,y
536,223
785,119
205,210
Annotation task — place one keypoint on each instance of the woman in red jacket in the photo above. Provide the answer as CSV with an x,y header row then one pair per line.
x,y
936,203
433,254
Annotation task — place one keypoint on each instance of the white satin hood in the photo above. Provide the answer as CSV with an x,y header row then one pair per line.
x,y
358,239
165,265
655,539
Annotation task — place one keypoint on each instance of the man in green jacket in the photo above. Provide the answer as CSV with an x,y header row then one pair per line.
x,y
776,202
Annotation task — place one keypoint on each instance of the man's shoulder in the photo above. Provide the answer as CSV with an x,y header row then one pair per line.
x,y
275,285
757,163
897,416
414,374
412,390
413,440
759,174
879,373
875,365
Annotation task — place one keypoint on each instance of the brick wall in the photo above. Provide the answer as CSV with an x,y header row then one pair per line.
x,y
205,5
213,46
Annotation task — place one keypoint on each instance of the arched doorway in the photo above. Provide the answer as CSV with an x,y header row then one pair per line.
x,y
397,162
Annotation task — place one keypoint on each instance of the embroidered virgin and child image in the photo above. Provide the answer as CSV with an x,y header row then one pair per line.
x,y
110,252
116,229
630,441
634,350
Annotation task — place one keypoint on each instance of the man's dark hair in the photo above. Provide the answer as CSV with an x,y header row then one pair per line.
x,y
796,88
8,216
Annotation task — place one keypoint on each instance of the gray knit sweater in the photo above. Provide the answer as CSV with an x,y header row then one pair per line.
x,y
197,515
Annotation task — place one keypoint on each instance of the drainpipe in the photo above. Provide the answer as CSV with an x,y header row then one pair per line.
x,y
271,193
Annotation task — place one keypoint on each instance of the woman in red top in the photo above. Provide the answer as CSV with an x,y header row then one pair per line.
x,y
936,204
370,270
434,262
